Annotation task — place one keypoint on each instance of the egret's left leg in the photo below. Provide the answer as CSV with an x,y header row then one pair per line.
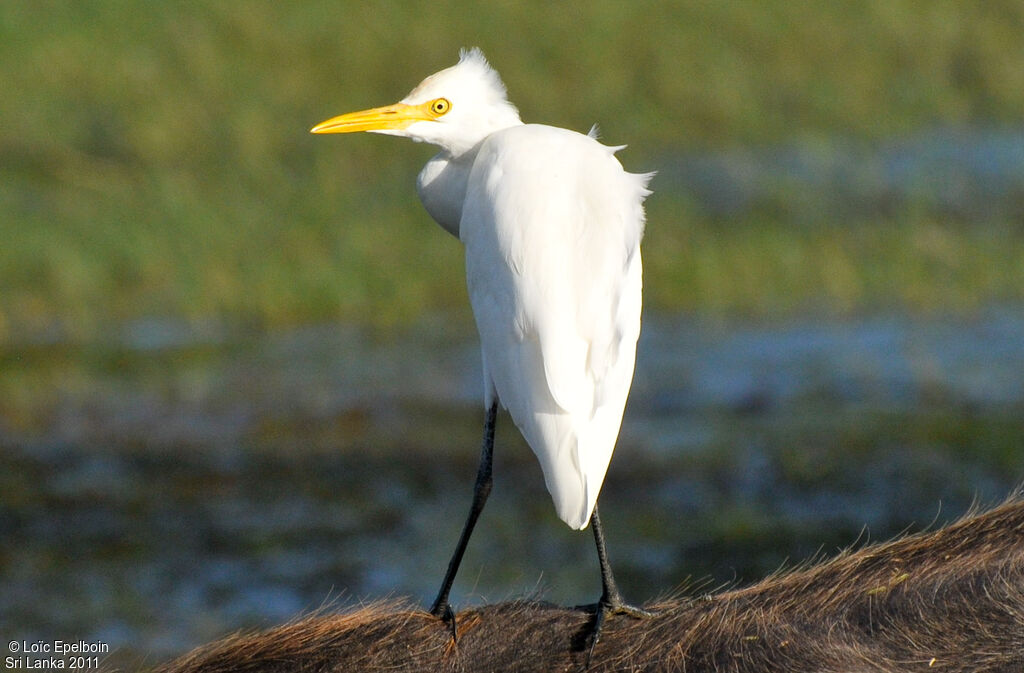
x,y
481,490
611,599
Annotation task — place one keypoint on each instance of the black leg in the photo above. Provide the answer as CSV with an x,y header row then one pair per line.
x,y
481,490
611,599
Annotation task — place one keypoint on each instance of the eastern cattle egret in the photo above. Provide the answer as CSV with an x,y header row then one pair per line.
x,y
551,225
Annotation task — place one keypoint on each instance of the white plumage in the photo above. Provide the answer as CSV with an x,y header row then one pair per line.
x,y
551,225
555,288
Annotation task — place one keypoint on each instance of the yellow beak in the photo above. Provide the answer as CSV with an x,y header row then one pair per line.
x,y
397,116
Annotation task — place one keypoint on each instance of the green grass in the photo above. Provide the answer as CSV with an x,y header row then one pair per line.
x,y
773,269
155,160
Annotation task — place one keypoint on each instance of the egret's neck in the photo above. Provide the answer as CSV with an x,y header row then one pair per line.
x,y
442,182
442,188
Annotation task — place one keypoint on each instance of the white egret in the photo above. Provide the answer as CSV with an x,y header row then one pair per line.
x,y
551,225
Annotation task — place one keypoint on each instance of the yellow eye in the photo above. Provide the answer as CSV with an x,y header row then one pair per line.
x,y
440,106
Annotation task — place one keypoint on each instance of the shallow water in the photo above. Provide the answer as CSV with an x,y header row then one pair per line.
x,y
172,486
974,173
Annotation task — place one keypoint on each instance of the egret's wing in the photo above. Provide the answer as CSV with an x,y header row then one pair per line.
x,y
552,228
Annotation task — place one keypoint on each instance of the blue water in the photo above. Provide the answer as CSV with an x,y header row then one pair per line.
x,y
970,173
174,486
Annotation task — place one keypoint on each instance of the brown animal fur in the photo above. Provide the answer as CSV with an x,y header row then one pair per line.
x,y
951,600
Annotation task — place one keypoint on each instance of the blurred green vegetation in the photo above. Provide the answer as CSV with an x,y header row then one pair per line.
x,y
155,160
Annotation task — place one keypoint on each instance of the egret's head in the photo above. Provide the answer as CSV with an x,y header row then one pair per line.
x,y
454,109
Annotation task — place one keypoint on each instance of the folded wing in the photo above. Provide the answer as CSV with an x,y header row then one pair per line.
x,y
552,227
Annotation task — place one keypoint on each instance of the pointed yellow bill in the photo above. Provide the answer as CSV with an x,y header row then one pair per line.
x,y
397,116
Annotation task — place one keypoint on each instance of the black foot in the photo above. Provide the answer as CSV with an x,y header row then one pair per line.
x,y
611,600
612,606
447,615
441,608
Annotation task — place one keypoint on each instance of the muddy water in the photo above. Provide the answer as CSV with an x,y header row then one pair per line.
x,y
176,484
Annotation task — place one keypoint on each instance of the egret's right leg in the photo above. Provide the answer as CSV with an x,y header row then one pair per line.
x,y
611,601
481,490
